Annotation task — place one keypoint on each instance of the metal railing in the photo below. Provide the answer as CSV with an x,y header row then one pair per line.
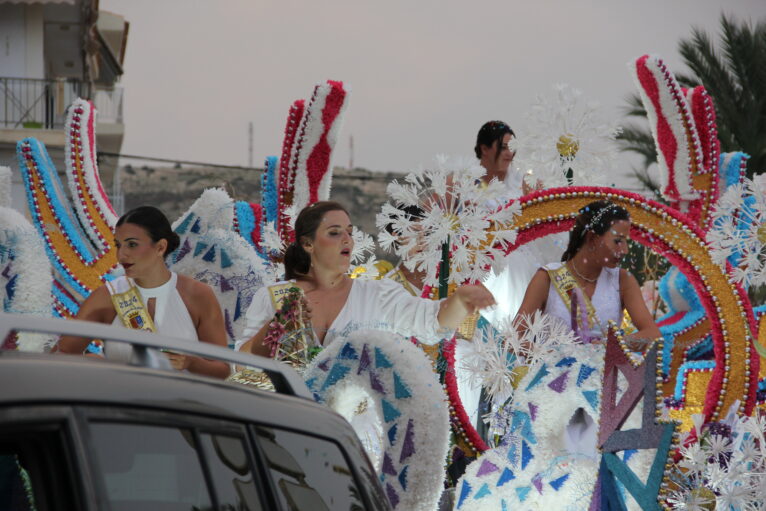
x,y
283,377
42,104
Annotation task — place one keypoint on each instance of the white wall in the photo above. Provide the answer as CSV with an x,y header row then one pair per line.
x,y
13,62
35,56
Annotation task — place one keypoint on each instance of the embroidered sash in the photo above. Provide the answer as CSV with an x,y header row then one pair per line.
x,y
129,305
583,314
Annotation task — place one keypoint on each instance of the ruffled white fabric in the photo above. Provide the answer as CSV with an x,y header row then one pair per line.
x,y
371,305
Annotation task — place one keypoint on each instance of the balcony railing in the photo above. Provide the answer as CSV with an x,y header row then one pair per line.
x,y
31,103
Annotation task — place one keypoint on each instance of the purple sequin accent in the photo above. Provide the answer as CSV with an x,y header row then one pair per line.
x,y
532,411
376,384
408,447
388,465
560,384
393,497
364,360
487,467
185,249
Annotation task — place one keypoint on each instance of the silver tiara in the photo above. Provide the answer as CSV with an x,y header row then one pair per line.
x,y
597,218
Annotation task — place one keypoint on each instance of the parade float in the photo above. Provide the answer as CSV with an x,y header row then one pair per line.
x,y
678,426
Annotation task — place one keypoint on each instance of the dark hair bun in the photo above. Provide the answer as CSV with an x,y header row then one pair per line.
x,y
297,261
174,240
155,223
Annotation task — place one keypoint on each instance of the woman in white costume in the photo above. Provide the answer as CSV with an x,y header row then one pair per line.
x,y
318,263
509,285
587,290
151,297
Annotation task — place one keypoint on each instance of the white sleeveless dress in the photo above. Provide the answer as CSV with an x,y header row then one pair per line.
x,y
580,435
171,317
606,300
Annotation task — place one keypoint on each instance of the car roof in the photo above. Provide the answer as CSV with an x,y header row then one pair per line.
x,y
58,379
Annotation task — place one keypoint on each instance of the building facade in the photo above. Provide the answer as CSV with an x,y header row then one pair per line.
x,y
51,52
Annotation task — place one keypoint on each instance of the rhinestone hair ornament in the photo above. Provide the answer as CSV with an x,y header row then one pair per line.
x,y
597,218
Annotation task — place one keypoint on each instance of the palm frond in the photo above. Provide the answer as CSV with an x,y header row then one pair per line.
x,y
646,181
640,141
635,106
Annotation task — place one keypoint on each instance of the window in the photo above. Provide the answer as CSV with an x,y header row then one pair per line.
x,y
35,474
231,474
150,467
310,474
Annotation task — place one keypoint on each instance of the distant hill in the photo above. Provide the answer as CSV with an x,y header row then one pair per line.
x,y
174,189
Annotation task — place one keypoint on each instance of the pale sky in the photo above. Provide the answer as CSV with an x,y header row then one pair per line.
x,y
424,74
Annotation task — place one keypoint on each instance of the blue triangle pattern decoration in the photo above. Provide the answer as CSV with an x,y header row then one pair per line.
x,y
401,391
558,483
390,412
522,493
526,455
542,373
566,362
513,454
585,371
181,229
196,227
311,382
504,505
403,477
10,287
522,421
347,352
209,255
238,307
337,372
591,396
465,491
199,247
628,454
506,476
225,259
483,492
381,360
392,434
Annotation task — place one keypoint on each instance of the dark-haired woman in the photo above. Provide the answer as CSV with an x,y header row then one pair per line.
x,y
170,304
587,289
318,263
494,154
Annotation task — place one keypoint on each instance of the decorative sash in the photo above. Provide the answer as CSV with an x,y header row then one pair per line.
x,y
128,304
583,314
398,277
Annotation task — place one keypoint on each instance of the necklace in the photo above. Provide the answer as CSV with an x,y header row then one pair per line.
x,y
586,279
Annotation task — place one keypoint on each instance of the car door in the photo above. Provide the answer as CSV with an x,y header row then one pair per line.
x,y
42,467
167,461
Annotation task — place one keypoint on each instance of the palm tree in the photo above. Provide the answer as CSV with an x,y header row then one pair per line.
x,y
734,75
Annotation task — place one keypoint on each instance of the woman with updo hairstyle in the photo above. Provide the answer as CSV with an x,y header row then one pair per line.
x,y
171,304
333,304
587,289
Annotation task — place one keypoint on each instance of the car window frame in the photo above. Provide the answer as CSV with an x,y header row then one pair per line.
x,y
64,419
197,424
359,479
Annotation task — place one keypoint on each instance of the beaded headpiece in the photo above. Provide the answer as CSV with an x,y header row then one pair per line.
x,y
597,217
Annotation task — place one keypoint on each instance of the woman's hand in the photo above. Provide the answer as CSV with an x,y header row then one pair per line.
x,y
179,361
466,300
475,297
